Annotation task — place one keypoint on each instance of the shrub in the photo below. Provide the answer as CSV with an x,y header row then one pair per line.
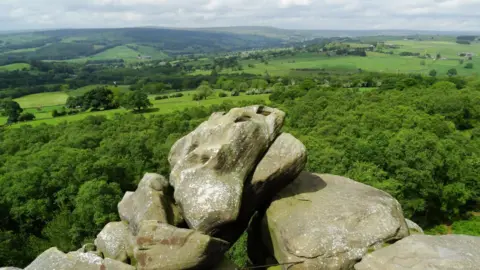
x,y
26,116
469,65
222,94
235,94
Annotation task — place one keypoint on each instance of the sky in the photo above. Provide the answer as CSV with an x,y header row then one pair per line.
x,y
291,14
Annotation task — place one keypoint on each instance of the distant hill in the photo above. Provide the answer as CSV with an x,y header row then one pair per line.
x,y
78,43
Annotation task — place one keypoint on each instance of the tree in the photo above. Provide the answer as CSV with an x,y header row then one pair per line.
x,y
242,87
26,116
135,100
422,63
432,73
99,98
461,61
469,66
452,72
204,91
11,109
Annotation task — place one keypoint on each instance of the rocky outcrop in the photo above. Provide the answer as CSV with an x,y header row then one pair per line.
x,y
114,241
55,259
162,246
237,171
330,222
149,202
418,252
10,268
413,227
211,164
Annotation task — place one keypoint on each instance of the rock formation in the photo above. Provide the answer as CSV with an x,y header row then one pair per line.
x,y
418,252
330,222
237,169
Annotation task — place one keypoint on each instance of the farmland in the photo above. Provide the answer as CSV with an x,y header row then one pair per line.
x,y
43,104
12,67
374,61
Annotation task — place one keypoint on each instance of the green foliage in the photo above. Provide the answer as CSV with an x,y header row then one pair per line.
x,y
135,100
26,116
469,66
11,109
203,91
222,94
433,73
468,227
452,72
238,252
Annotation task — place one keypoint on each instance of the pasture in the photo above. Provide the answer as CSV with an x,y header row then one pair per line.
x,y
375,61
16,66
42,100
44,114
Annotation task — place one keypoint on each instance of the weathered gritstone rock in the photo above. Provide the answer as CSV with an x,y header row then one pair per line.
x,y
53,259
10,268
283,162
162,246
413,227
113,241
211,164
149,202
330,222
418,252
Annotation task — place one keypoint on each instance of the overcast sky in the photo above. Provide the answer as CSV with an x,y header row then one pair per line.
x,y
293,14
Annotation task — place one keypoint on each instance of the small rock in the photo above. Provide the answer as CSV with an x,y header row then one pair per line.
x,y
330,222
162,246
113,241
413,227
149,202
418,252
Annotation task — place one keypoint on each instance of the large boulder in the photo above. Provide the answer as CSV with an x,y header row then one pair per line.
x,y
330,222
114,241
151,201
211,164
162,246
418,252
10,268
55,259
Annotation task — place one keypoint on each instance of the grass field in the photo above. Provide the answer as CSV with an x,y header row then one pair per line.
x,y
16,66
42,100
159,107
376,62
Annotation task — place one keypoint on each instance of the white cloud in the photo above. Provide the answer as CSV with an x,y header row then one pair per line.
x,y
311,14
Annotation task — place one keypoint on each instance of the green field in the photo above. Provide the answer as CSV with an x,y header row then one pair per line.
x,y
42,100
16,66
375,62
81,91
43,115
119,52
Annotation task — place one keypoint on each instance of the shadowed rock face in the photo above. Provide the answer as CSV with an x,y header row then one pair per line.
x,y
162,246
211,164
149,202
329,222
413,227
418,252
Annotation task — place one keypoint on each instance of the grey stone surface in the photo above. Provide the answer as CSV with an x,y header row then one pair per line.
x,y
54,259
10,268
51,259
211,164
113,241
149,202
413,227
418,252
330,222
162,246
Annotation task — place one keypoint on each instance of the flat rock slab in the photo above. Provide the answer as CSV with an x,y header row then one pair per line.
x,y
330,222
162,246
211,164
419,252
